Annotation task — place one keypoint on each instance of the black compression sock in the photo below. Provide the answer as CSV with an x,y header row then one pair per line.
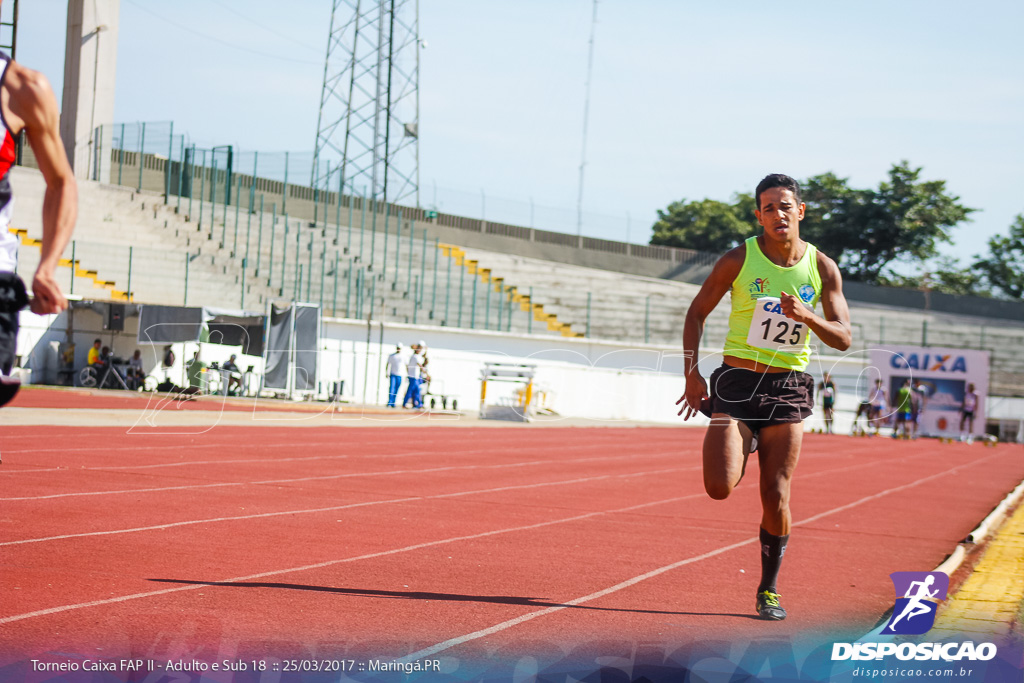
x,y
772,550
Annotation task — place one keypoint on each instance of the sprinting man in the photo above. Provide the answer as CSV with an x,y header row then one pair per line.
x,y
916,607
760,396
27,104
827,389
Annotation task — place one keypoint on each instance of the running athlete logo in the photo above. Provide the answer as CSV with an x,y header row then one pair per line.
x,y
914,613
758,286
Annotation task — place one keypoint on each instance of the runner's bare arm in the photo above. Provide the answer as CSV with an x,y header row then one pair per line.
x,y
29,103
711,292
833,327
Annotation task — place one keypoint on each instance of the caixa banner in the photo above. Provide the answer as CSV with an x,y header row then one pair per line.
x,y
946,387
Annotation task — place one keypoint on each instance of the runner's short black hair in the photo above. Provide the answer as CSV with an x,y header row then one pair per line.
x,y
776,180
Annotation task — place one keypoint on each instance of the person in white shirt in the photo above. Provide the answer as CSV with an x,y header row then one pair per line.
x,y
395,364
967,409
415,370
879,403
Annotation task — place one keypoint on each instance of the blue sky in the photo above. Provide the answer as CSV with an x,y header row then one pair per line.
x,y
688,100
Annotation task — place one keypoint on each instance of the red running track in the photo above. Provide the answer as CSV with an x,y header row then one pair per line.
x,y
262,541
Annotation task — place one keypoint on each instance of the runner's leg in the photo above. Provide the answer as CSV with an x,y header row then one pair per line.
x,y
778,452
726,447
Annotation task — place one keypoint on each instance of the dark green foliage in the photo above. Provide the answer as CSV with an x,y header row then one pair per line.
x,y
1003,267
866,231
706,225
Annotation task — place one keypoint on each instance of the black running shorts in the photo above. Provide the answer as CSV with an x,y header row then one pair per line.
x,y
762,399
13,298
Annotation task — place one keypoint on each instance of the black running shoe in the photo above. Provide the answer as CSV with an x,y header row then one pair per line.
x,y
768,606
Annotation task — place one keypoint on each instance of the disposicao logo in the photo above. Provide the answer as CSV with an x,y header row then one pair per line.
x,y
917,597
914,613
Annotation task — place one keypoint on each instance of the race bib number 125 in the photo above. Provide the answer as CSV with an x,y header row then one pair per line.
x,y
771,329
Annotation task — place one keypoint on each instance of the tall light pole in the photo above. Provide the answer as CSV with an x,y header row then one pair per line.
x,y
586,114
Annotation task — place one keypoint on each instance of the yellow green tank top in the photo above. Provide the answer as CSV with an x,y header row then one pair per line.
x,y
780,342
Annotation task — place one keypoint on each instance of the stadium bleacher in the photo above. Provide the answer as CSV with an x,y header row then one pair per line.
x,y
132,244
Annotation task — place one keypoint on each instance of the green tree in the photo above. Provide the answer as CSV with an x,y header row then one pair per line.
x,y
867,232
904,220
829,221
1003,268
706,225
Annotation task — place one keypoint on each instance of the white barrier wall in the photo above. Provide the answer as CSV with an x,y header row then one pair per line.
x,y
578,378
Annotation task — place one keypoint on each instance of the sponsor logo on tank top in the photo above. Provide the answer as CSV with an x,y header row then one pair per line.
x,y
758,288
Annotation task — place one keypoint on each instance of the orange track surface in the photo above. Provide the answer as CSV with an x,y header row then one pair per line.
x,y
268,541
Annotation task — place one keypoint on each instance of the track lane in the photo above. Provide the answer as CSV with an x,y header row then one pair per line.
x,y
434,517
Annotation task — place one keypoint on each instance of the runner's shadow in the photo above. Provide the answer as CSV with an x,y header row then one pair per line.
x,y
449,597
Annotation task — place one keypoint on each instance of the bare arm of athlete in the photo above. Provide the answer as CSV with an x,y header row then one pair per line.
x,y
711,292
28,103
833,327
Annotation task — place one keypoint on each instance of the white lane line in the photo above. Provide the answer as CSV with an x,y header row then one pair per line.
x,y
274,460
459,640
449,495
450,643
329,563
325,477
170,525
216,445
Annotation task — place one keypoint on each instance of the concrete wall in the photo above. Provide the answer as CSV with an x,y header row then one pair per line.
x,y
935,301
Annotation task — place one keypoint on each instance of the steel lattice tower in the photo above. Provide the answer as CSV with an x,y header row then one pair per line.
x,y
367,138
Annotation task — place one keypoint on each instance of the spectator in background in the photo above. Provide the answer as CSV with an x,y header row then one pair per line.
x,y
879,402
424,372
194,370
827,389
234,375
105,356
136,375
414,368
967,409
903,404
918,402
94,353
394,374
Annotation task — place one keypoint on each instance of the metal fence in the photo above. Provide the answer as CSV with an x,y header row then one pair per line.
x,y
151,156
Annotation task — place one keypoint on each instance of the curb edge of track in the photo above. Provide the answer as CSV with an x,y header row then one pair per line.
x,y
956,558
